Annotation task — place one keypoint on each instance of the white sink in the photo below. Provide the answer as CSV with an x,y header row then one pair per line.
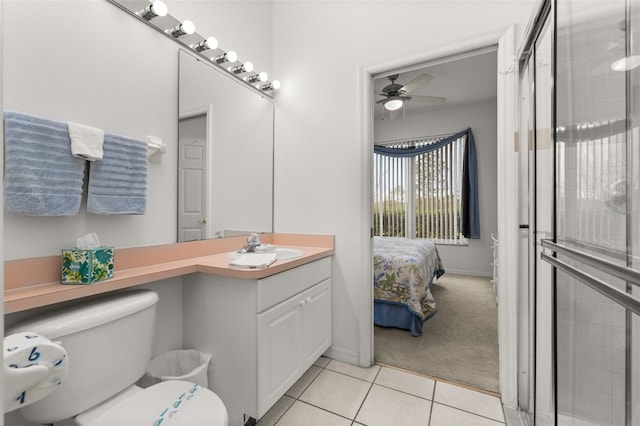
x,y
284,253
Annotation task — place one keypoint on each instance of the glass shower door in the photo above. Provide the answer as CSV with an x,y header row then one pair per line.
x,y
596,212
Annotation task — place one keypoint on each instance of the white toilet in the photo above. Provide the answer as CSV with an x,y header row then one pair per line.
x,y
108,342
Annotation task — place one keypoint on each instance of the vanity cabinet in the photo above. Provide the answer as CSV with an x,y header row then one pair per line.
x,y
291,336
263,334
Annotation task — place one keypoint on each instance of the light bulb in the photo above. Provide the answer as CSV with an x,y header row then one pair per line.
x,y
260,77
157,8
246,67
186,27
230,56
206,44
393,104
274,85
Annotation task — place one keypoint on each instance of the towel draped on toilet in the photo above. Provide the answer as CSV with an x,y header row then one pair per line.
x,y
34,367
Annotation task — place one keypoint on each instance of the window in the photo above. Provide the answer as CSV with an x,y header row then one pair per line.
x,y
420,196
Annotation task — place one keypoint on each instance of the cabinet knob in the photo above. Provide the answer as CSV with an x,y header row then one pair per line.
x,y
305,301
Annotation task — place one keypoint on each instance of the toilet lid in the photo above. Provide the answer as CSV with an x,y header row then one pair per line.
x,y
170,403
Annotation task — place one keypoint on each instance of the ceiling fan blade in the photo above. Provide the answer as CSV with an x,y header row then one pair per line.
x,y
416,82
381,100
430,99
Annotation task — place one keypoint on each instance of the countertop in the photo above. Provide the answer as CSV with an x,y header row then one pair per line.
x,y
35,282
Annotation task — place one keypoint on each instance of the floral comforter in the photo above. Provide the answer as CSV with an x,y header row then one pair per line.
x,y
403,272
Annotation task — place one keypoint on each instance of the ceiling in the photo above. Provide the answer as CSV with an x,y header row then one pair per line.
x,y
467,80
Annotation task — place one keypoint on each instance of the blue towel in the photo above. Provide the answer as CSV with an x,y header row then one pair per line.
x,y
118,183
41,177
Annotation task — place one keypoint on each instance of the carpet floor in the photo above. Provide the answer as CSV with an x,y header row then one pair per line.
x,y
458,344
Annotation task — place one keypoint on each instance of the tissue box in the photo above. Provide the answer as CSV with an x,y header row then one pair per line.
x,y
87,266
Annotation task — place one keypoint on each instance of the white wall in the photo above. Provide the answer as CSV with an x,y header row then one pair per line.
x,y
320,51
92,65
476,258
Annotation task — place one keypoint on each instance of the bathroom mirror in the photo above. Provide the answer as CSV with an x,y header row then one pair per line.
x,y
225,154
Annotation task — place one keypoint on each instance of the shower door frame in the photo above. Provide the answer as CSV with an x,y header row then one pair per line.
x,y
528,392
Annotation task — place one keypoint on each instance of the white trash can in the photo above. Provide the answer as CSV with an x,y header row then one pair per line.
x,y
183,364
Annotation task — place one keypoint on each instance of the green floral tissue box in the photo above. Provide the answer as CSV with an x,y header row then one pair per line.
x,y
87,266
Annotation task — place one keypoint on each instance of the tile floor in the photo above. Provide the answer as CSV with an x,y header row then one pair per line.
x,y
334,393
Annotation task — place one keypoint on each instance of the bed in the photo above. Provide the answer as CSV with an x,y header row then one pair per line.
x,y
403,273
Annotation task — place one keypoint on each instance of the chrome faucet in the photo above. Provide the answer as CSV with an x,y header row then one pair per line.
x,y
253,241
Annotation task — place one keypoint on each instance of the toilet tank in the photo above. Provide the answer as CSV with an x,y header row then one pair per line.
x,y
108,340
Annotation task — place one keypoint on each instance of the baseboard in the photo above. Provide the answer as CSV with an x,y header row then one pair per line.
x,y
471,273
342,355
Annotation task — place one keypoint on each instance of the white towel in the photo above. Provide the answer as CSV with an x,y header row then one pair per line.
x,y
86,141
255,260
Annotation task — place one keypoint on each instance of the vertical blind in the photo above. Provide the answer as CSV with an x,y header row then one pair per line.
x,y
419,189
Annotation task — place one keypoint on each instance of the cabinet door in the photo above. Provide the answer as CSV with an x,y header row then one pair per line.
x,y
316,312
279,351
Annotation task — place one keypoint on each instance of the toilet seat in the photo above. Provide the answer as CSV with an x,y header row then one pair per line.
x,y
169,403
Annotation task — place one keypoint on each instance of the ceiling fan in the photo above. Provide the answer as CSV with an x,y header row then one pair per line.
x,y
395,94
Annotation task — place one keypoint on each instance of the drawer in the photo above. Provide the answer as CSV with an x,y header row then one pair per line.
x,y
276,288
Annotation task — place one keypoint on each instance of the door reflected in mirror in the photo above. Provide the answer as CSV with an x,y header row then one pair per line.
x,y
225,155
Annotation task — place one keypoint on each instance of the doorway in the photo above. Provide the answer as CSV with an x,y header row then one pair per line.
x,y
192,175
465,323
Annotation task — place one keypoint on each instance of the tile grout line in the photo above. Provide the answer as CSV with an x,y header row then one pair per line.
x,y
403,392
433,399
366,395
468,412
297,398
504,419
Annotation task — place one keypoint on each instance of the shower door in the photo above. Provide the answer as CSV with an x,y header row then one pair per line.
x,y
581,68
597,152
597,223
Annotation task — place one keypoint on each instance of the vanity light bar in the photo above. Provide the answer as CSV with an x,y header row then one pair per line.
x,y
187,29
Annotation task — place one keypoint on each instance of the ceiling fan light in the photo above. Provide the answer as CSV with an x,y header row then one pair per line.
x,y
626,64
393,104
